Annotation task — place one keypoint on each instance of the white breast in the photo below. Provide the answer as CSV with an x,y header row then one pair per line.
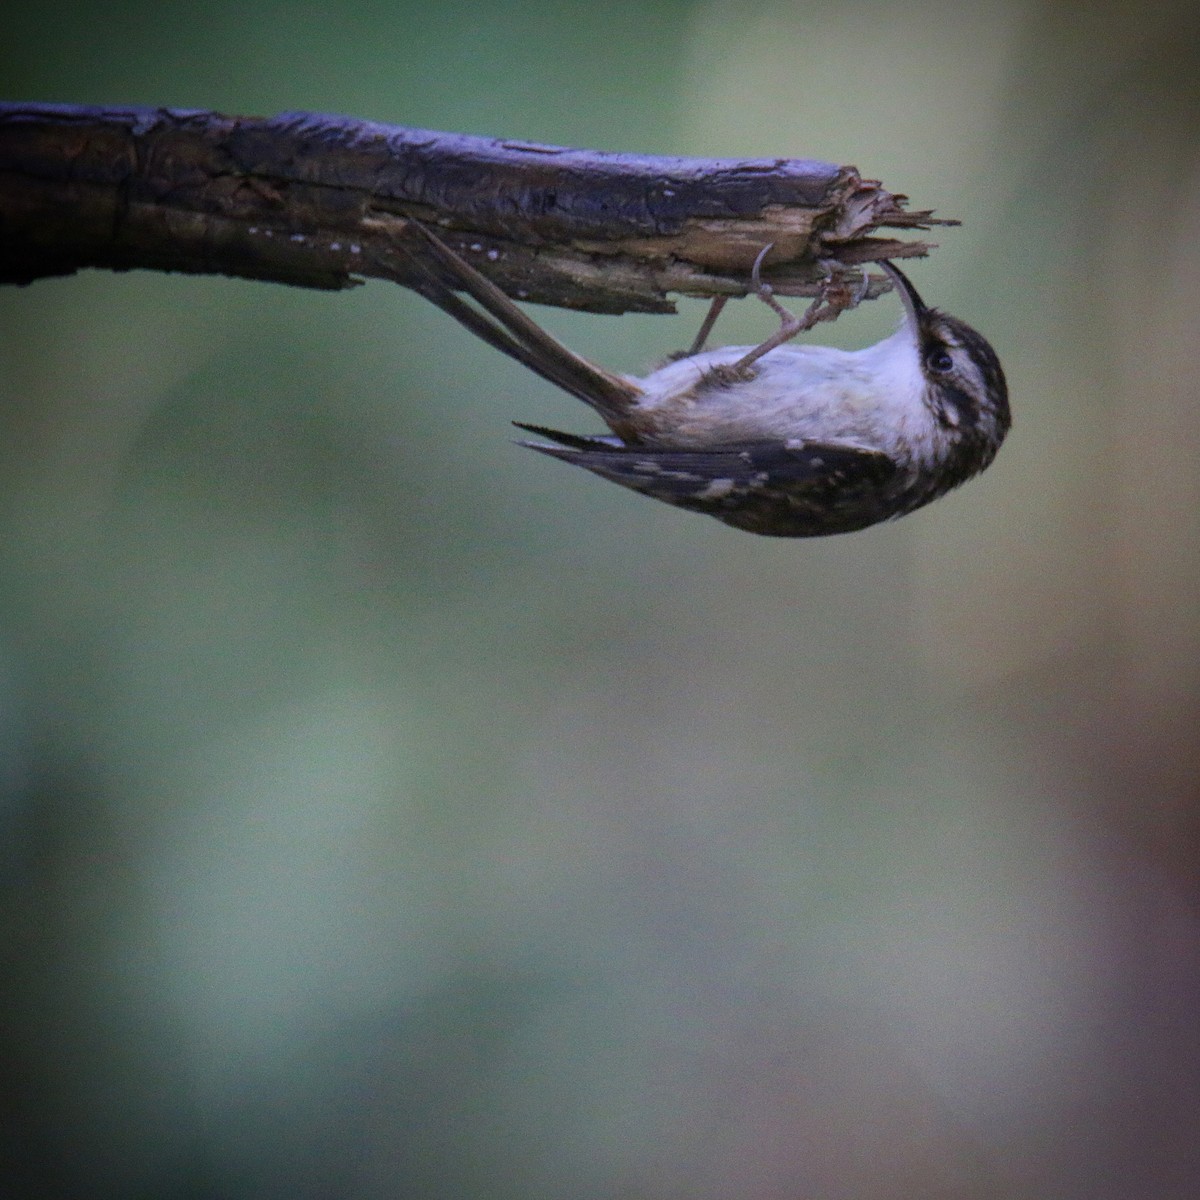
x,y
871,397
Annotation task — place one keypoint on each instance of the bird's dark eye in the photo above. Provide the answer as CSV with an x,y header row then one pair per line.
x,y
939,361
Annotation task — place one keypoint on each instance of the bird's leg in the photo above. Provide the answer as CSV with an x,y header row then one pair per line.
x,y
837,293
706,328
789,325
832,298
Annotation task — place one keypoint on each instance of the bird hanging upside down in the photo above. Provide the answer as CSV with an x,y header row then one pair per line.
x,y
779,439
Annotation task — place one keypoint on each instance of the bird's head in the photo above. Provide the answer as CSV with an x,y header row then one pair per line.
x,y
965,385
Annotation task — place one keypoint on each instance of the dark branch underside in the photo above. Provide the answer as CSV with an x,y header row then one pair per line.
x,y
321,201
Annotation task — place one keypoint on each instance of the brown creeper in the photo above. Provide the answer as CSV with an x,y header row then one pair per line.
x,y
785,440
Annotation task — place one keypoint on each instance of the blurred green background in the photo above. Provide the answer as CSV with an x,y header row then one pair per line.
x,y
388,812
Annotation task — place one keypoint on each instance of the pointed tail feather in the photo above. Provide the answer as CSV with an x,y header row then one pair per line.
x,y
502,325
576,441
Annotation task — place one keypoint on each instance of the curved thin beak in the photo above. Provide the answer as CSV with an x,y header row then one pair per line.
x,y
913,304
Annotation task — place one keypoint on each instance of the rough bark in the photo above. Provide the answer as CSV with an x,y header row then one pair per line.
x,y
322,201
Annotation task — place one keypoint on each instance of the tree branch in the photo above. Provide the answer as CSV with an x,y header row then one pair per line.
x,y
321,201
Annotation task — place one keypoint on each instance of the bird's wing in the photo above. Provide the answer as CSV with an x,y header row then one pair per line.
x,y
788,489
